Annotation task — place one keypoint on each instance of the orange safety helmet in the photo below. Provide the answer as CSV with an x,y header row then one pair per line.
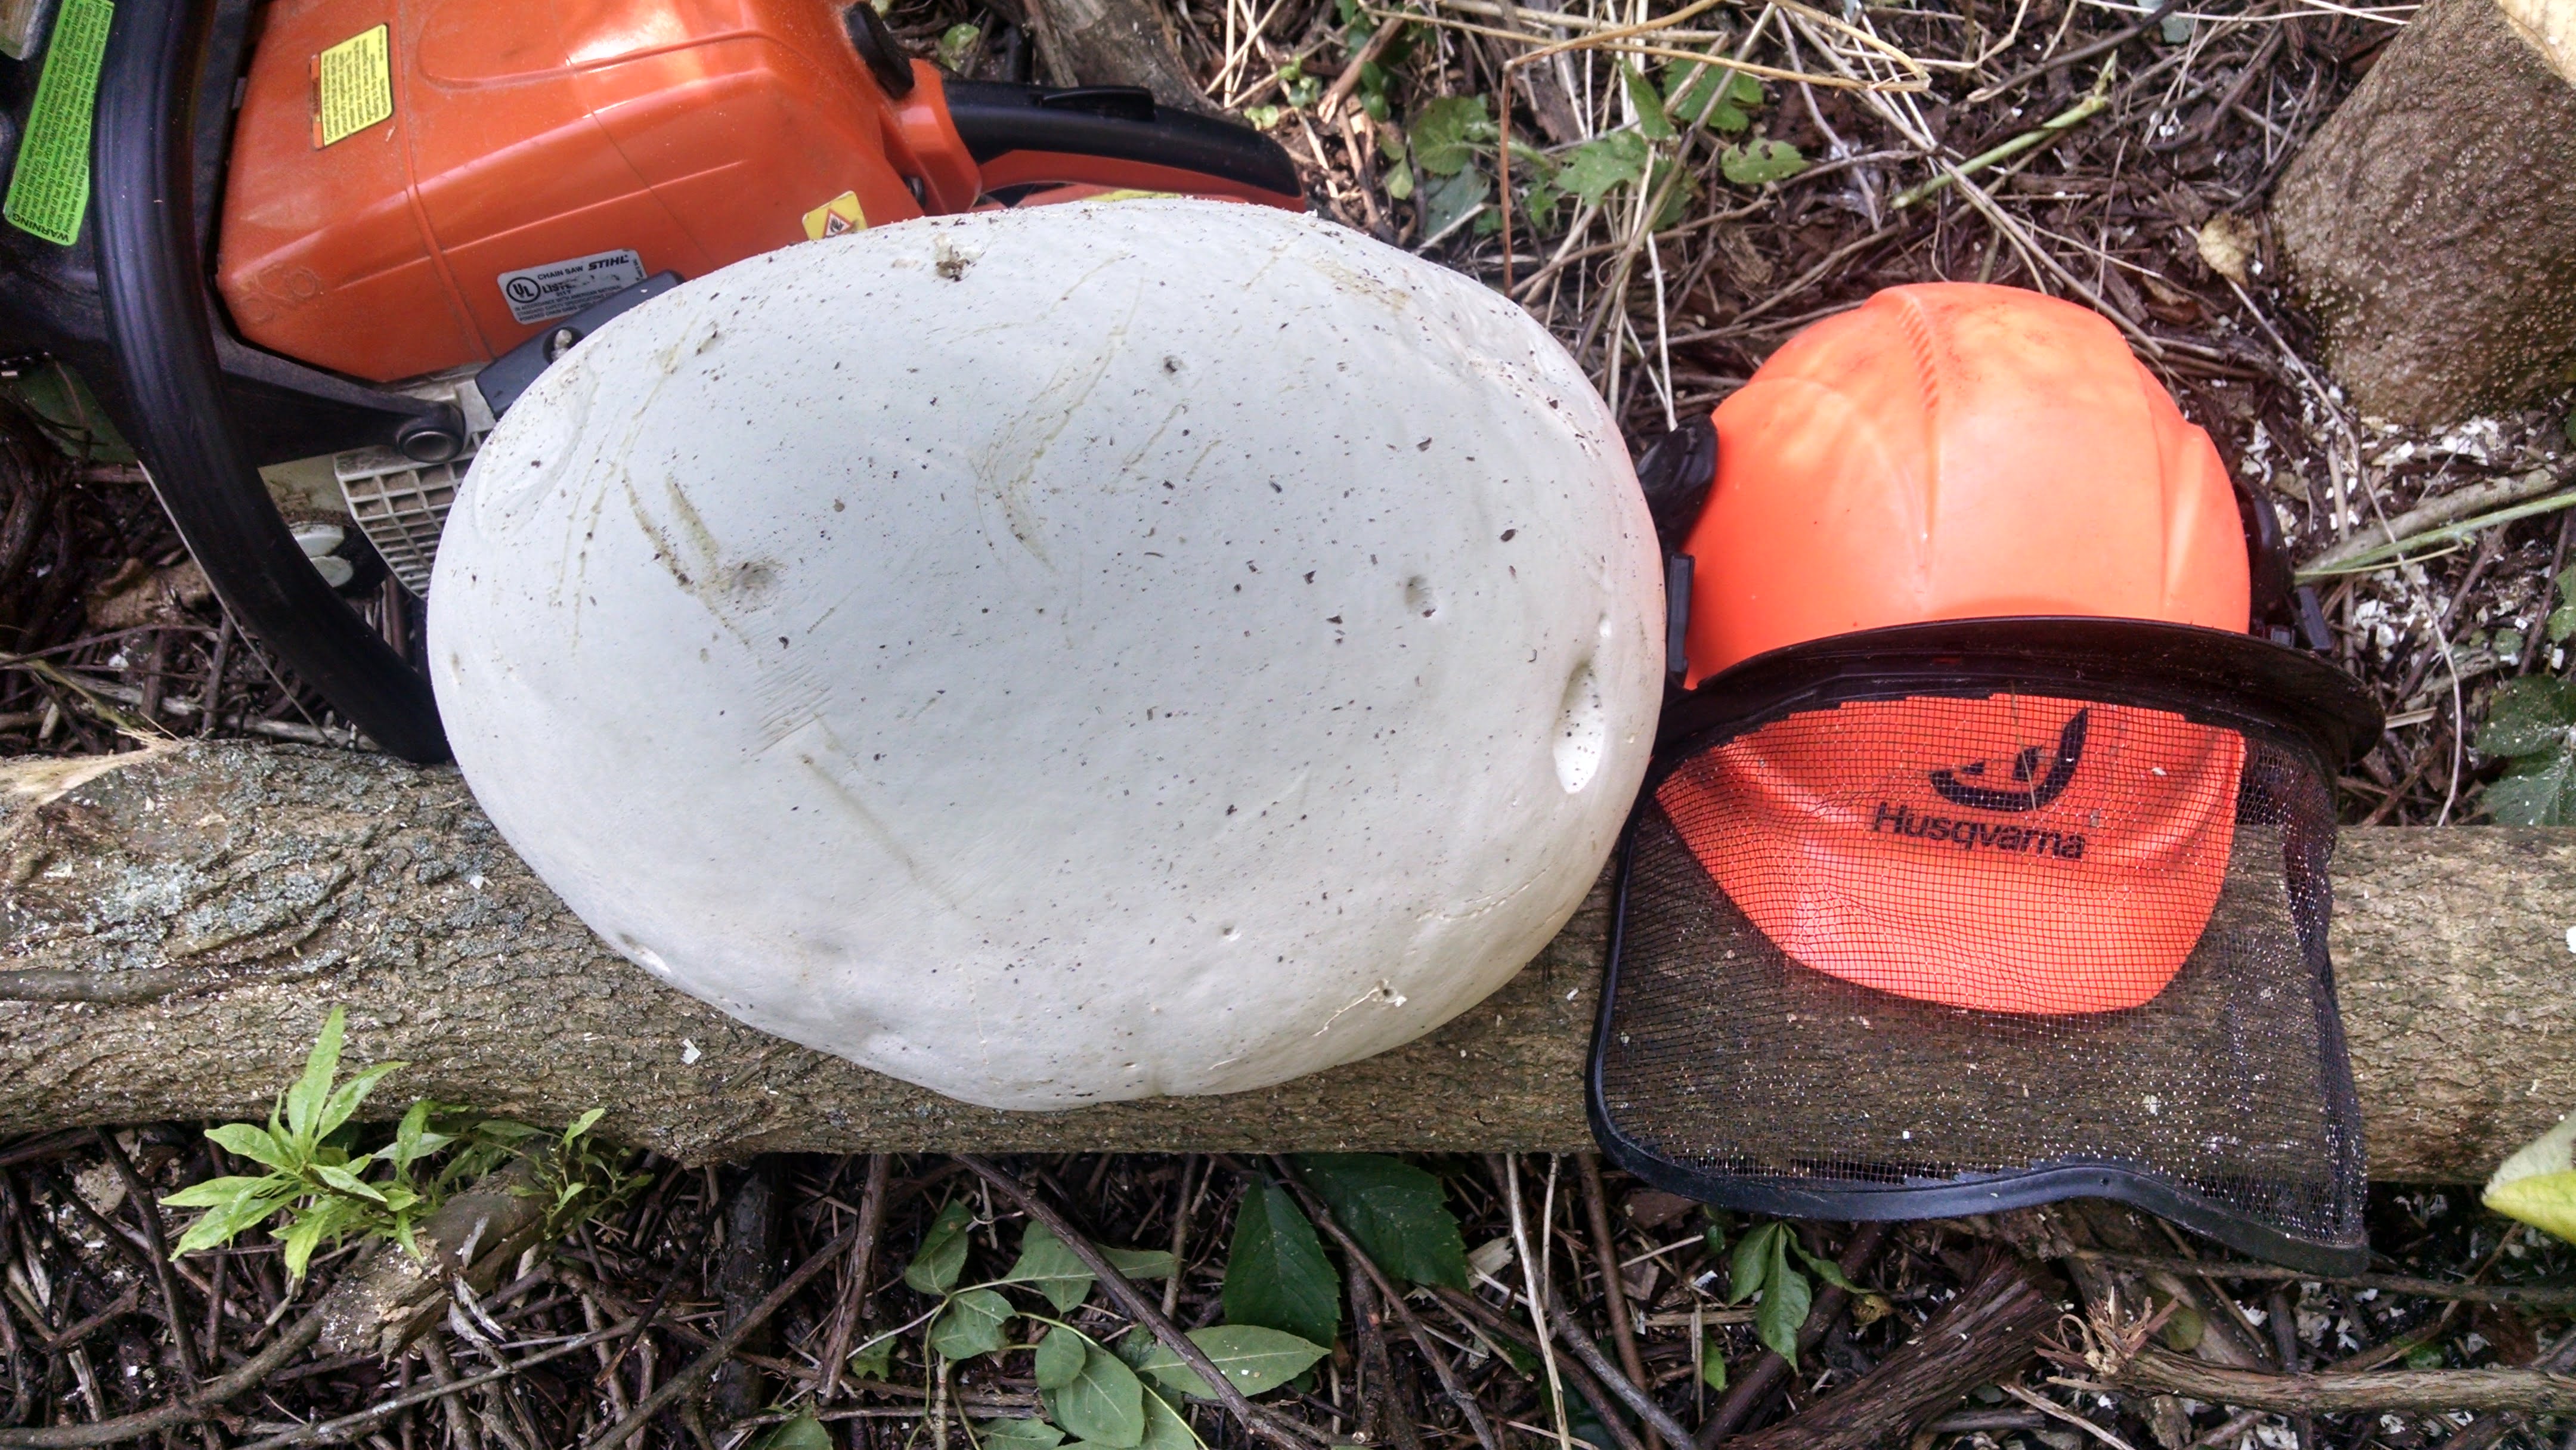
x,y
1954,450
1982,861
1960,451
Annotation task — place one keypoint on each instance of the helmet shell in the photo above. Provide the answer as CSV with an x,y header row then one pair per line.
x,y
1058,656
1954,450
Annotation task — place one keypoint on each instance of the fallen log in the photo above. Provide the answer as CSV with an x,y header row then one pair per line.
x,y
2425,224
262,884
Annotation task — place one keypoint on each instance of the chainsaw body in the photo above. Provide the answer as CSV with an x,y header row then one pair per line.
x,y
317,227
417,185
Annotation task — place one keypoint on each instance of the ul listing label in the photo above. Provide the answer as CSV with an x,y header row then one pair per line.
x,y
560,289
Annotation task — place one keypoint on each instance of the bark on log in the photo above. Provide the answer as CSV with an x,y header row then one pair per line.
x,y
1115,42
271,882
2428,223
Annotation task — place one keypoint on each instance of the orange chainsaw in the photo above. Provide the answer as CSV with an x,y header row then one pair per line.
x,y
320,245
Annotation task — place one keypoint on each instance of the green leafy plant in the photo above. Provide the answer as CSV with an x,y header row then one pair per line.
x,y
958,44
804,1432
1276,1275
2538,1183
1127,1391
1762,1266
330,1190
1397,1213
1754,163
1122,1398
2531,725
1699,94
2561,625
1358,28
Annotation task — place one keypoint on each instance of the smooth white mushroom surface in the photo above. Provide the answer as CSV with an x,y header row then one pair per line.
x,y
1066,655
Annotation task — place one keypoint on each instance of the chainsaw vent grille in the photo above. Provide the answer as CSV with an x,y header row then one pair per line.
x,y
401,505
1932,954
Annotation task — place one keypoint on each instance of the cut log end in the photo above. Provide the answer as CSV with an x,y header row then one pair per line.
x,y
2426,224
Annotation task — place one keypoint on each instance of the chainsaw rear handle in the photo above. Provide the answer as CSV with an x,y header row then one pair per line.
x,y
160,328
1022,136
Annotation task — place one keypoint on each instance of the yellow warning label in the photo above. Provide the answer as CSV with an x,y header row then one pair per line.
x,y
353,84
840,214
1129,193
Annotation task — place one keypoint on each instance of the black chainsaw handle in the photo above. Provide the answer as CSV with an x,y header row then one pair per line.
x,y
1101,127
159,325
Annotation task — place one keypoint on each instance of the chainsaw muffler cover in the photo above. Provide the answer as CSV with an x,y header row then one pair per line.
x,y
1062,656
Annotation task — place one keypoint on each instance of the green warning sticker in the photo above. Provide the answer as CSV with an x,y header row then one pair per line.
x,y
49,188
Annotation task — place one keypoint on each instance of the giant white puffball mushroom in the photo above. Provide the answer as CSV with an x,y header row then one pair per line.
x,y
1062,655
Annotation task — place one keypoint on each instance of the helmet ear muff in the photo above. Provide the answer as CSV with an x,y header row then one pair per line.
x,y
2284,610
1675,473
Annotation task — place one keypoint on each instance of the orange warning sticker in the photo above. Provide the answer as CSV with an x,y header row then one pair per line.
x,y
840,214
353,86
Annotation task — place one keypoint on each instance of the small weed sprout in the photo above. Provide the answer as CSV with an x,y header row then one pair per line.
x,y
330,1190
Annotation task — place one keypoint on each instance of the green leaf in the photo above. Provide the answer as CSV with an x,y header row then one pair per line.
x,y
1678,197
2532,722
2538,1183
1594,167
2425,1357
301,1238
2530,716
1786,1298
1761,161
583,1124
2537,791
1165,1429
1651,121
874,1361
216,1192
1398,1213
1047,1266
1750,1269
247,1140
970,1325
225,1219
1105,1403
1824,1268
1697,94
956,43
1060,1357
802,1433
343,1105
1446,132
305,1100
1262,118
1399,181
1712,1362
1452,199
1276,1275
1255,1360
348,1182
1019,1435
2562,620
1140,1263
942,1255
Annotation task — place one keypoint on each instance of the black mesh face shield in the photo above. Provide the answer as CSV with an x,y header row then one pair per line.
x,y
1958,917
